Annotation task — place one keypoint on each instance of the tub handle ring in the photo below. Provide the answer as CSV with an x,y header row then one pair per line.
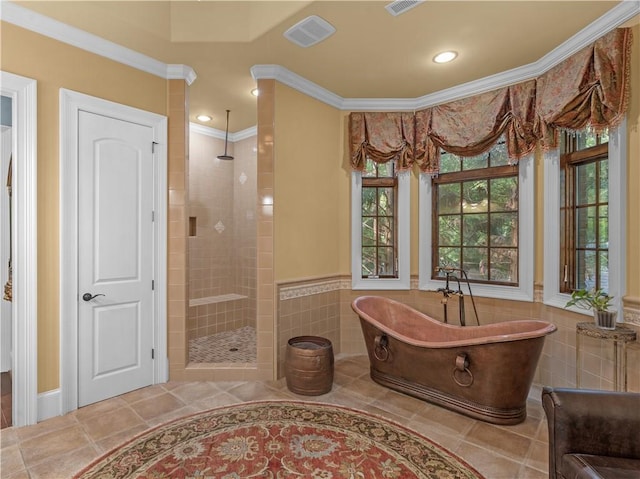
x,y
381,343
462,366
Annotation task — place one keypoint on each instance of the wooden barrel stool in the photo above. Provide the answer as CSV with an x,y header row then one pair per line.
x,y
309,365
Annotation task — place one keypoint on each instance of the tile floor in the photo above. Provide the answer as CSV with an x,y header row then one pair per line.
x,y
237,346
60,446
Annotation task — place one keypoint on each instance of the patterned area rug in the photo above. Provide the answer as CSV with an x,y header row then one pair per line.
x,y
277,440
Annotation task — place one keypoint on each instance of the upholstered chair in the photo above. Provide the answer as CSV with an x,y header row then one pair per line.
x,y
592,433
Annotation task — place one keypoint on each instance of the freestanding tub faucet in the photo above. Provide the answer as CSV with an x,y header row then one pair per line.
x,y
447,292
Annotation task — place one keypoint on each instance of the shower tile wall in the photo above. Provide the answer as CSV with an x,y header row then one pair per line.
x,y
211,204
222,241
245,232
213,318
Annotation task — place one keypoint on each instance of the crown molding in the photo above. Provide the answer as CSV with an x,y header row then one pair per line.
x,y
615,17
219,134
244,134
49,27
625,10
207,130
378,104
181,72
38,23
295,81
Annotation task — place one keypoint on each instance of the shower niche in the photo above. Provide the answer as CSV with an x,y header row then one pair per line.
x,y
221,324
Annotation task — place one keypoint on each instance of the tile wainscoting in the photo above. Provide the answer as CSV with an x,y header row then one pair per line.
x,y
218,314
322,307
308,308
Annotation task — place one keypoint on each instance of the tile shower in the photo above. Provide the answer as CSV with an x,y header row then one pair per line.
x,y
222,250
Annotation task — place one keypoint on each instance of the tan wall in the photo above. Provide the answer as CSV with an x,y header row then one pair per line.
x,y
633,175
56,65
307,186
344,196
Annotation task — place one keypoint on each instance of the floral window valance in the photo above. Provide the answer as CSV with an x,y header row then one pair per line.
x,y
590,88
381,137
472,125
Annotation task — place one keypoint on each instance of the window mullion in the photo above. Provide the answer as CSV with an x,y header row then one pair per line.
x,y
568,263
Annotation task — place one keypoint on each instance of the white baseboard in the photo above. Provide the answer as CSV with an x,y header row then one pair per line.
x,y
49,405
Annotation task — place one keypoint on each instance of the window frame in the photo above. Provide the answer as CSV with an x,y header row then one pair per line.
x,y
617,223
403,227
524,290
461,177
570,162
375,183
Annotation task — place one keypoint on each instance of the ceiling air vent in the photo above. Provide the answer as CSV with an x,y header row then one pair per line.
x,y
309,31
401,6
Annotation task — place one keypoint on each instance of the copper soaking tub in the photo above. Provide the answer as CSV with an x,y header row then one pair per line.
x,y
484,372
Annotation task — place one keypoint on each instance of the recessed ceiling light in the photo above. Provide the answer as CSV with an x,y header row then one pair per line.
x,y
203,118
445,57
255,92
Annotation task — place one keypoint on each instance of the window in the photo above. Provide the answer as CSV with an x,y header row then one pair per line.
x,y
477,215
584,211
590,172
380,227
379,212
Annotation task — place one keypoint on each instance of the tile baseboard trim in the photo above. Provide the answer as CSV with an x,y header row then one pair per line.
x,y
310,286
309,289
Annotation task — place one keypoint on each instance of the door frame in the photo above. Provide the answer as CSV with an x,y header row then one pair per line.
x,y
24,310
71,103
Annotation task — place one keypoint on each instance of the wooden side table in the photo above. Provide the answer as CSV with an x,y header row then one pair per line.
x,y
620,335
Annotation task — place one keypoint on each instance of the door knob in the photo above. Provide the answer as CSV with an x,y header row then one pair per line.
x,y
89,296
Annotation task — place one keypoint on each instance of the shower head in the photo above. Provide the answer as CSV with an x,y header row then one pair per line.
x,y
226,139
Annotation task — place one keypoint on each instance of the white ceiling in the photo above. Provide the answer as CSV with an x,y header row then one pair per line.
x,y
372,54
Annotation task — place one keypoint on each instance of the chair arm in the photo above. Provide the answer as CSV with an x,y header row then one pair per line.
x,y
602,423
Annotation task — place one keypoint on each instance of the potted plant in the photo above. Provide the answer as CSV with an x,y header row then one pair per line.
x,y
598,301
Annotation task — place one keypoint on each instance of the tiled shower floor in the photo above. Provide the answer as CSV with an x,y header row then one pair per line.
x,y
238,346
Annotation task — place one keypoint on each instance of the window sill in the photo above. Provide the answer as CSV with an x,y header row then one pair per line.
x,y
380,284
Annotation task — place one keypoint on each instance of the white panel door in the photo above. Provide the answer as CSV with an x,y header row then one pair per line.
x,y
115,257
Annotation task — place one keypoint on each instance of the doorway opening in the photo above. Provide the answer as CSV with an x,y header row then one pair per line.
x,y
22,314
6,142
221,325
